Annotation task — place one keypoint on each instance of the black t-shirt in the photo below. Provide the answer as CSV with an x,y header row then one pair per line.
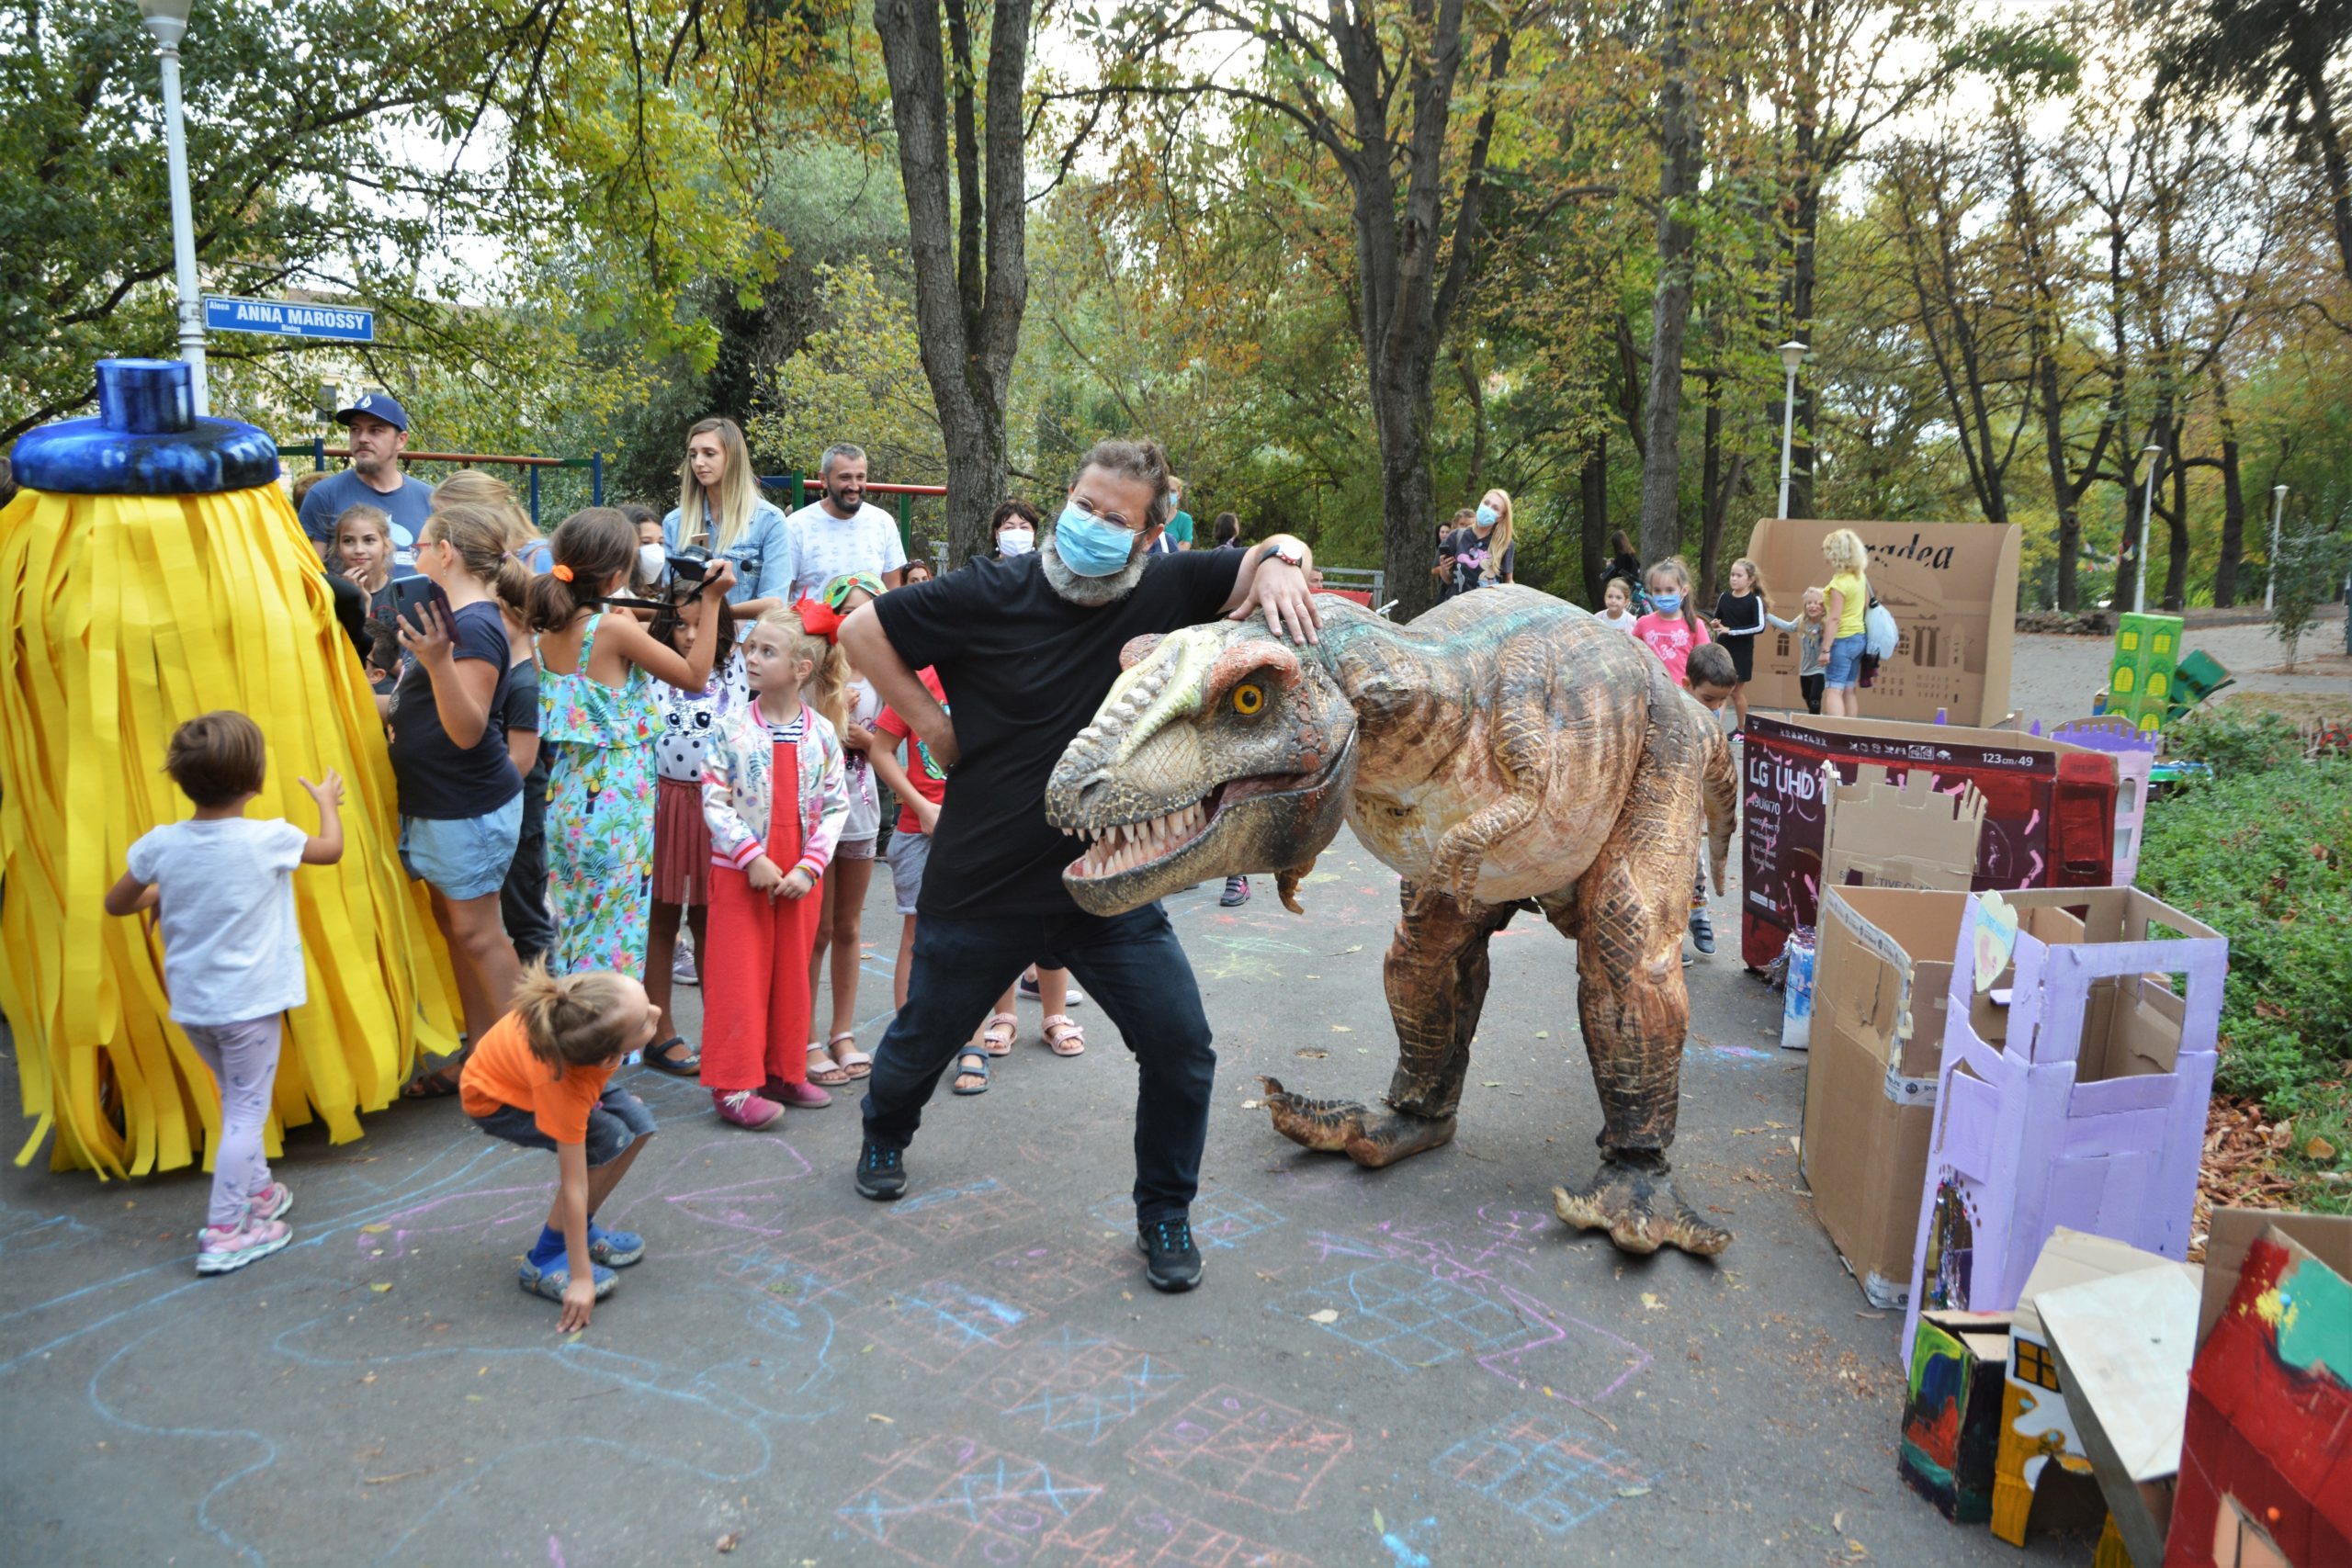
x,y
1470,557
1024,671
436,779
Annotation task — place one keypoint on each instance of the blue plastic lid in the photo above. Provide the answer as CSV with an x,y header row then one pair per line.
x,y
146,440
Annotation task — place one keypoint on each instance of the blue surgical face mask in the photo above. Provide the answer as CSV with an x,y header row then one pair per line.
x,y
1488,517
1666,604
1089,546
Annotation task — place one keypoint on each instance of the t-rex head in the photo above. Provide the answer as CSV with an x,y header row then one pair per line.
x,y
1221,751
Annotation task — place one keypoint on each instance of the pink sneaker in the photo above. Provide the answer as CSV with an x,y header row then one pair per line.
x,y
225,1248
742,1108
798,1096
273,1201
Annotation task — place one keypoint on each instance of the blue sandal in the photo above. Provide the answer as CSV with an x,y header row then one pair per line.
x,y
614,1249
980,1071
550,1281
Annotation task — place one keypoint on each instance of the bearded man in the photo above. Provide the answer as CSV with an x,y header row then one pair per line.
x,y
378,427
1026,648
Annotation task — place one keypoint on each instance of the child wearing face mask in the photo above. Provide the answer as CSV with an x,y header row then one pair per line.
x,y
599,716
1672,629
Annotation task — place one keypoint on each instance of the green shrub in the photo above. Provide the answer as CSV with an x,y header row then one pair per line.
x,y
2265,857
2236,743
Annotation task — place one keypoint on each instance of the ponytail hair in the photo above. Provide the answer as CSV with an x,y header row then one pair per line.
x,y
479,535
828,688
591,548
575,1021
1678,568
1755,577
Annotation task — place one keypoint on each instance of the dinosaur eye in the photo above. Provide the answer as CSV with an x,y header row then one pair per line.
x,y
1248,698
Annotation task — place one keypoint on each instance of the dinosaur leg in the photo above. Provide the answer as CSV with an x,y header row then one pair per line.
x,y
1627,922
1436,975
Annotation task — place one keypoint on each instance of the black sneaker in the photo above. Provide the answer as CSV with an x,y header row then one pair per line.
x,y
1170,1261
1237,893
881,1172
1702,933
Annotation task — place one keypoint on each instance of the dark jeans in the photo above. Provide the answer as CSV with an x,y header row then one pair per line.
x,y
523,902
1132,966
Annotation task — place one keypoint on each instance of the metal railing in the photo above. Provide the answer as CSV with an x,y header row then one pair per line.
x,y
318,451
800,489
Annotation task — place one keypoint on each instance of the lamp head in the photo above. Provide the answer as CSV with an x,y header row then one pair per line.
x,y
2278,492
1791,355
167,20
2151,449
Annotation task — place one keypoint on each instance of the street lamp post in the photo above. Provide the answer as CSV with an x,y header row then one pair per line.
x,y
167,20
2278,509
1792,357
2147,521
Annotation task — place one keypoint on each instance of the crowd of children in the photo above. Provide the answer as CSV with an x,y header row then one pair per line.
x,y
578,783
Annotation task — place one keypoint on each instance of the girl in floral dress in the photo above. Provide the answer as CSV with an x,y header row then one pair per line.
x,y
599,717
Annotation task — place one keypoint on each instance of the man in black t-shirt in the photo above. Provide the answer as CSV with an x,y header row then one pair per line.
x,y
1026,649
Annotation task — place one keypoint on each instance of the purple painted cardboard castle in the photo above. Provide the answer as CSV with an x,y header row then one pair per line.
x,y
2073,1090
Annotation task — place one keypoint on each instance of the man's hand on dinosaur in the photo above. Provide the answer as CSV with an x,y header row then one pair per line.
x,y
1284,595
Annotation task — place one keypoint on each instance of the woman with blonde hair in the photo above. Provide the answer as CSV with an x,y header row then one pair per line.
x,y
1848,598
720,510
1482,555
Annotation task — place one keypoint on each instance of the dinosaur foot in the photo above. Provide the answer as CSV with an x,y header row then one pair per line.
x,y
1328,1125
1634,1200
1398,1136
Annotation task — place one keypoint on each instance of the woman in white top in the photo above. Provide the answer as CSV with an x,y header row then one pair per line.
x,y
719,508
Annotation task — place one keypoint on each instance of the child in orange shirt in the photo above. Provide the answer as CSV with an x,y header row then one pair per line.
x,y
540,1077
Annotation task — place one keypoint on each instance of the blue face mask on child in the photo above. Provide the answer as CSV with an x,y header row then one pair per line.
x,y
1666,604
1089,546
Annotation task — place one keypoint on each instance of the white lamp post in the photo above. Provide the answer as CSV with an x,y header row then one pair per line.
x,y
2277,508
2147,521
1792,357
167,20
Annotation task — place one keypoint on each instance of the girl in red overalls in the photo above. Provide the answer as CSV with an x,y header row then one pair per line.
x,y
776,793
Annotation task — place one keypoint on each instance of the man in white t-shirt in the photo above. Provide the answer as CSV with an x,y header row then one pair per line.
x,y
843,532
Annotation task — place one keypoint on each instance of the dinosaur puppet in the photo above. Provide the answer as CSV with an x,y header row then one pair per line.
x,y
1502,748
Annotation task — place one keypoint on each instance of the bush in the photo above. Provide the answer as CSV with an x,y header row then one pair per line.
x,y
2236,743
2263,853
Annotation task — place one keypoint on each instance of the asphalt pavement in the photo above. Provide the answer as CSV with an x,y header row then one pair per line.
x,y
1416,1366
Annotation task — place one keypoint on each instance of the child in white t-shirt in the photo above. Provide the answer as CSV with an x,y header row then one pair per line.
x,y
223,886
1617,605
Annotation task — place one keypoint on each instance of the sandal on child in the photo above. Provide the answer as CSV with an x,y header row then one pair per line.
x,y
854,1062
658,1057
439,1084
978,1069
823,1069
997,1034
1064,1037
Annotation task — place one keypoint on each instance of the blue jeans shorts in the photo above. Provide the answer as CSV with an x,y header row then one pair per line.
x,y
618,1121
1845,663
464,857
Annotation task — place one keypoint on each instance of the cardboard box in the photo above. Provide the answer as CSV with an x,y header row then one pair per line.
x,y
1875,833
1951,1412
2049,817
2040,1446
2073,1088
1870,1088
2266,1464
2141,674
1952,589
2123,1345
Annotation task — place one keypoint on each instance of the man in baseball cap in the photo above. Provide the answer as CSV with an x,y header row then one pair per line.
x,y
378,427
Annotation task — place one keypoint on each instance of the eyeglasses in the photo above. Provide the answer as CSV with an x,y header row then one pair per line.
x,y
1113,518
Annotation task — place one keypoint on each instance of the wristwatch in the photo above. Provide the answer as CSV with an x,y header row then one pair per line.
x,y
1287,555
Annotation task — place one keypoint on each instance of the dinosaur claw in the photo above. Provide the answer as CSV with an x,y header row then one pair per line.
x,y
1328,1126
1398,1136
1640,1208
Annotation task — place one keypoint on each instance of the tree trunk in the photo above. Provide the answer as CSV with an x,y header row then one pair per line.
x,y
971,281
2321,120
2225,569
1678,155
1592,486
2177,541
1711,468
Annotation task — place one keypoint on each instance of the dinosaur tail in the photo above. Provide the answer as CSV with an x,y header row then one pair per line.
x,y
1719,785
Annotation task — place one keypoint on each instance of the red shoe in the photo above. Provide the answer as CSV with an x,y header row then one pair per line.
x,y
798,1096
743,1107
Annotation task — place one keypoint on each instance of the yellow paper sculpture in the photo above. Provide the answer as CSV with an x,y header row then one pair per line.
x,y
151,570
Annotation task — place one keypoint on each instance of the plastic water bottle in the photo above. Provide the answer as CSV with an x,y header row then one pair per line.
x,y
1796,1010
